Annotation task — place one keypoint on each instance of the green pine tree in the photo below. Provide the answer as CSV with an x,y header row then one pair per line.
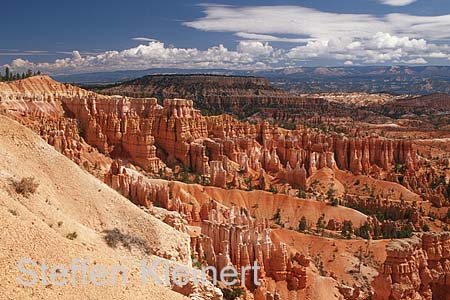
x,y
302,225
7,74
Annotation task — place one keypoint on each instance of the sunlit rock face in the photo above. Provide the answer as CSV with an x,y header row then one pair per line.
x,y
231,238
416,268
153,136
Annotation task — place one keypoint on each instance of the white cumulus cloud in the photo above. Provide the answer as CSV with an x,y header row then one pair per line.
x,y
254,48
383,40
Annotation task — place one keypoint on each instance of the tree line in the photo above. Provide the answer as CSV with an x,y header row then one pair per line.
x,y
11,76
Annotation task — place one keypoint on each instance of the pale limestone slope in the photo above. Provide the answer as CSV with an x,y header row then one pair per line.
x,y
29,226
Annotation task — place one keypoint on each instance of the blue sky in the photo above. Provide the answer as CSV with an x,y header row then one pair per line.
x,y
61,37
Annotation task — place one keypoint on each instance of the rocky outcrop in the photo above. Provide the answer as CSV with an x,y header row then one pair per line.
x,y
176,129
142,192
119,126
171,218
437,248
358,155
62,134
37,96
218,174
231,238
416,268
134,187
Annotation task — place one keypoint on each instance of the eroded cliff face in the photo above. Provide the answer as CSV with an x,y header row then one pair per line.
x,y
221,147
37,103
152,136
177,129
119,126
416,268
230,237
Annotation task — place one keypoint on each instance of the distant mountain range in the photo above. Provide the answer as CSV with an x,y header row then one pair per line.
x,y
376,79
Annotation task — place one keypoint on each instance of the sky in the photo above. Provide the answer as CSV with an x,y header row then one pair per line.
x,y
66,37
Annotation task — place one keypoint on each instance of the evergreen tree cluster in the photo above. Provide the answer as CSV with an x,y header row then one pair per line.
x,y
11,76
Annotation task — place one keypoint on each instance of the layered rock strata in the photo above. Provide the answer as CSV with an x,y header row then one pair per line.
x,y
231,238
416,268
220,148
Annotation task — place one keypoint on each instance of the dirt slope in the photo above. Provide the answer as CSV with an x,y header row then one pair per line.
x,y
263,205
69,200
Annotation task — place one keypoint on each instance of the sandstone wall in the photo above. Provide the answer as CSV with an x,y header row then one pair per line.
x,y
416,268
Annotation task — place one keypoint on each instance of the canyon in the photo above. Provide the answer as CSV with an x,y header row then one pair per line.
x,y
229,191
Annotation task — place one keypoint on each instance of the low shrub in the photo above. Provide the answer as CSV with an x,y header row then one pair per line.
x,y
114,236
26,186
72,235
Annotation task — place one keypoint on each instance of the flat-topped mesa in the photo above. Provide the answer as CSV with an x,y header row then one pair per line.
x,y
428,104
238,95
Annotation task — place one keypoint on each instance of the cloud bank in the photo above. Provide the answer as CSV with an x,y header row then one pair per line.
x,y
248,55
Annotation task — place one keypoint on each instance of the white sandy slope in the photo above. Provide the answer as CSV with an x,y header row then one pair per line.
x,y
71,200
